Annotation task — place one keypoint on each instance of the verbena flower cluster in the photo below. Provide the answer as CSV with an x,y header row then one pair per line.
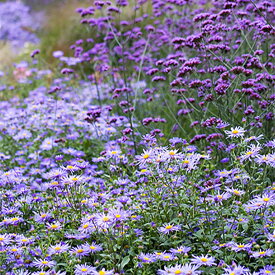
x,y
150,151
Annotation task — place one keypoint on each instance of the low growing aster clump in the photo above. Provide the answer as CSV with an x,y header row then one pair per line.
x,y
75,200
150,151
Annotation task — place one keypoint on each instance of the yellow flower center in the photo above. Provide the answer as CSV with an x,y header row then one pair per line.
x,y
57,248
85,226
240,245
45,262
105,219
101,272
249,153
146,156
266,199
169,227
43,215
92,247
79,250
204,260
84,269
186,161
235,131
54,226
118,216
70,167
177,271
262,252
172,153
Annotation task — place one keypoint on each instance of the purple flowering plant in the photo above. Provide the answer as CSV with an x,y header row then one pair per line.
x,y
150,151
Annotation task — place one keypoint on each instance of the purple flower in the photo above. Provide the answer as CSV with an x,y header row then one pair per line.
x,y
203,260
43,263
84,269
180,270
147,258
262,253
180,250
166,229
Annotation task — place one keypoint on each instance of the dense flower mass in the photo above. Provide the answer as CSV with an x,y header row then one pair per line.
x,y
150,151
16,24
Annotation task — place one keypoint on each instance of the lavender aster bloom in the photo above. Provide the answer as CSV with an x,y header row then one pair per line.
x,y
203,260
166,229
180,250
83,269
180,270
235,132
43,263
262,253
147,258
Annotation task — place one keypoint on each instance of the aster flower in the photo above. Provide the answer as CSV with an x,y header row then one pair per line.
x,y
166,229
271,236
252,138
262,159
234,191
15,250
147,258
145,157
80,251
252,152
203,260
5,239
42,217
43,263
58,248
240,247
103,272
165,256
104,221
235,132
180,250
87,227
268,269
92,248
235,270
119,214
22,240
42,273
54,226
83,269
219,197
258,202
262,253
180,270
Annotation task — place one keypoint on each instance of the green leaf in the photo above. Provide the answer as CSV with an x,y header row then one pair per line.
x,y
125,261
